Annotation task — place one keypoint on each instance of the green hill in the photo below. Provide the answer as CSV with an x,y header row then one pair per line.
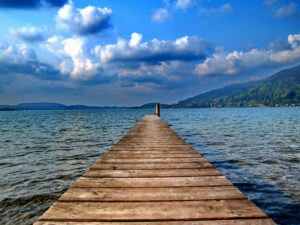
x,y
281,89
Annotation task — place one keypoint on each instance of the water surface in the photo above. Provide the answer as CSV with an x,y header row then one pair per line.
x,y
43,152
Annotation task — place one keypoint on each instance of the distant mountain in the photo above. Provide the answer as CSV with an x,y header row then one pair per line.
x,y
40,106
281,89
50,106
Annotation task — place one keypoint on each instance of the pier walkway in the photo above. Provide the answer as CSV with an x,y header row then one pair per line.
x,y
153,177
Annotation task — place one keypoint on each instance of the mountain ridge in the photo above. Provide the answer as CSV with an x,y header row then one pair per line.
x,y
280,89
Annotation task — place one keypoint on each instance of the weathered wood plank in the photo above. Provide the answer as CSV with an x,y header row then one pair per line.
x,y
150,166
153,211
154,152
153,182
153,173
202,222
112,155
152,194
149,150
165,160
152,147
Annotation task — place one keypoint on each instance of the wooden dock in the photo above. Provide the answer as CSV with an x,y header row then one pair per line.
x,y
153,177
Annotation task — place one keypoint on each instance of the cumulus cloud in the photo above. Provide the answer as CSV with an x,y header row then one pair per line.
x,y
19,53
76,58
54,44
226,8
154,51
134,58
235,62
31,3
287,10
84,67
28,34
133,61
184,4
23,60
135,40
160,15
89,20
163,61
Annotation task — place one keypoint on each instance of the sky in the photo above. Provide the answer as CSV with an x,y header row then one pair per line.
x,y
127,53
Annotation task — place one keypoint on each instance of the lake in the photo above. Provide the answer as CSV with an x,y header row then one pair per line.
x,y
43,152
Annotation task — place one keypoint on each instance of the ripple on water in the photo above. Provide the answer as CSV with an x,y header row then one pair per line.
x,y
43,152
256,148
25,210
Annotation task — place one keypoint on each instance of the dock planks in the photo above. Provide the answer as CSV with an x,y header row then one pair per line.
x,y
153,177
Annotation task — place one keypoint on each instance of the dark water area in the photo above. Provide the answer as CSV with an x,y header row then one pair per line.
x,y
42,153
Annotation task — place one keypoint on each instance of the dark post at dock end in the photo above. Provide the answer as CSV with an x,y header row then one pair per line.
x,y
157,110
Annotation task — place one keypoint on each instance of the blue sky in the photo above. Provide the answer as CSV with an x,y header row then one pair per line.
x,y
103,52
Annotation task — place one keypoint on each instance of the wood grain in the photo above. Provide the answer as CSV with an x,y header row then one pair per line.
x,y
152,211
201,222
152,194
153,182
153,173
151,176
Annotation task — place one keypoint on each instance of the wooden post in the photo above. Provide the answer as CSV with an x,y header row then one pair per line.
x,y
157,110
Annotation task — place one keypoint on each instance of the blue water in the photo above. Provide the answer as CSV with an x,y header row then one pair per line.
x,y
43,152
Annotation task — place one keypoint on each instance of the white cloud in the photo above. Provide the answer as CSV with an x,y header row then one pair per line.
x,y
85,62
135,39
28,34
54,44
154,51
18,53
294,40
160,61
89,20
235,62
160,16
84,67
184,4
76,58
286,10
